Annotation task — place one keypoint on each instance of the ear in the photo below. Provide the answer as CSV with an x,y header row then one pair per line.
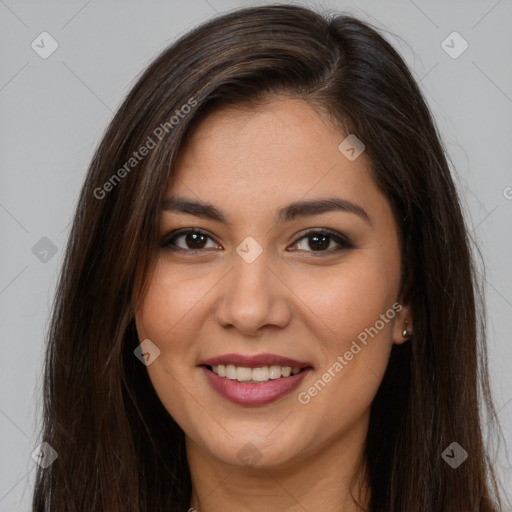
x,y
403,315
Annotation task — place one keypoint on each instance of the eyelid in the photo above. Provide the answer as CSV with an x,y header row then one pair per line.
x,y
342,241
166,241
339,238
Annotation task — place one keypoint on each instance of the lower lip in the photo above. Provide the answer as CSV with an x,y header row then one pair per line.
x,y
244,393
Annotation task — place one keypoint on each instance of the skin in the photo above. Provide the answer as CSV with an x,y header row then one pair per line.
x,y
305,304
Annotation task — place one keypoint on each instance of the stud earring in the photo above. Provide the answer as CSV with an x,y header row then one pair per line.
x,y
405,333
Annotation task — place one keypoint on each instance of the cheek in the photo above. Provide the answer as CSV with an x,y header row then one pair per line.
x,y
168,317
351,318
353,342
347,300
167,314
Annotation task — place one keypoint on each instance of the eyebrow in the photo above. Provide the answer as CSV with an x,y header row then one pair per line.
x,y
287,213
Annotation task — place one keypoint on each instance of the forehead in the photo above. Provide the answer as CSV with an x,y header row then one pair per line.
x,y
278,129
267,155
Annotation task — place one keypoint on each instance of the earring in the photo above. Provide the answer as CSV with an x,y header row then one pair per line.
x,y
405,333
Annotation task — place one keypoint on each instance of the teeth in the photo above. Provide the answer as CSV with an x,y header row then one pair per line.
x,y
275,372
243,373
263,374
286,371
230,372
260,374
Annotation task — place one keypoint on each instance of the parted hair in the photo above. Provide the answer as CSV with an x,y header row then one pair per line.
x,y
119,449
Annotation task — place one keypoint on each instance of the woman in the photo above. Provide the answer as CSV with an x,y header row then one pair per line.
x,y
268,297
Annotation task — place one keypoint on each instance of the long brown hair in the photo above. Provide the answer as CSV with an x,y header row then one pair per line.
x,y
119,449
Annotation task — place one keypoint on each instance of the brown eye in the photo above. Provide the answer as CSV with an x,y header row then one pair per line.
x,y
189,240
194,240
321,242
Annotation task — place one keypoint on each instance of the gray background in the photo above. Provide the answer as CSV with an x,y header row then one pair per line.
x,y
54,111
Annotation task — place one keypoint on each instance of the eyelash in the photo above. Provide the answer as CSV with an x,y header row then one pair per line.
x,y
340,239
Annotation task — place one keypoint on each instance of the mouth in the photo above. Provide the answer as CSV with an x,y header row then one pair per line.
x,y
254,380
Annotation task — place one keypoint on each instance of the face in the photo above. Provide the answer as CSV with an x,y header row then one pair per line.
x,y
255,292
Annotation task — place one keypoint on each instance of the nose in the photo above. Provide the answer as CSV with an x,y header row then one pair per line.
x,y
253,297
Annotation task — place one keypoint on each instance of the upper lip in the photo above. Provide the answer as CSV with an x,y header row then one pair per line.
x,y
256,361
